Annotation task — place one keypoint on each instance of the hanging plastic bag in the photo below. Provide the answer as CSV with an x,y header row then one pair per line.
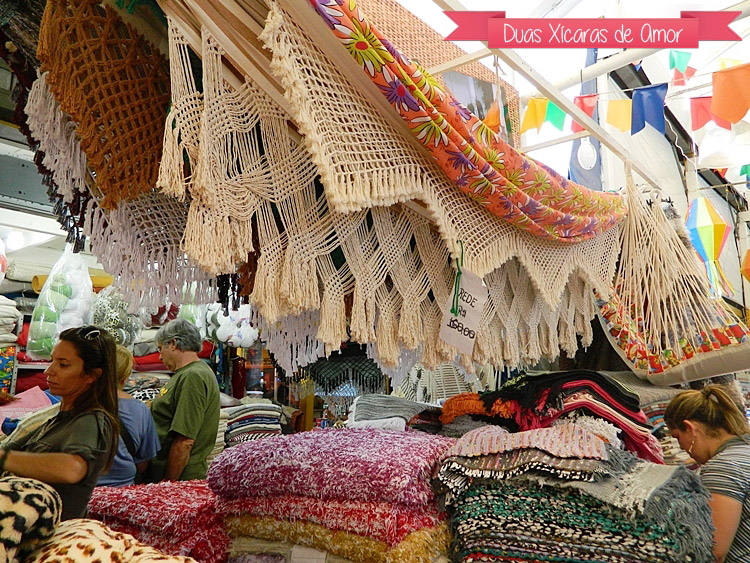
x,y
64,302
110,312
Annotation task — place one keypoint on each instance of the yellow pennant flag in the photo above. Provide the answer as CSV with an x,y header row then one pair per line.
x,y
728,63
619,114
536,111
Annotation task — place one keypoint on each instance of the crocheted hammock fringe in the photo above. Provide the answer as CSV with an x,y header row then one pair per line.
x,y
139,242
253,177
99,82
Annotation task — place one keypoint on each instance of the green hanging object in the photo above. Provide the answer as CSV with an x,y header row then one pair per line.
x,y
745,170
457,284
555,115
679,60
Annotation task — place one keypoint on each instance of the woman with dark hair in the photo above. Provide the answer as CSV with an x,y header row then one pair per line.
x,y
70,450
709,426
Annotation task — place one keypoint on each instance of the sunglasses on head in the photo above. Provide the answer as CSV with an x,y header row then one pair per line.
x,y
89,332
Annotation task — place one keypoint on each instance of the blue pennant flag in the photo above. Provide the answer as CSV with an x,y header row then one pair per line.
x,y
648,107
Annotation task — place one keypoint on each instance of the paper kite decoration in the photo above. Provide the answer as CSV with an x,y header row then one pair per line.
x,y
745,266
708,233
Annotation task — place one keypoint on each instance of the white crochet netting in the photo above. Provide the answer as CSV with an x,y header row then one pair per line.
x,y
253,176
139,244
55,132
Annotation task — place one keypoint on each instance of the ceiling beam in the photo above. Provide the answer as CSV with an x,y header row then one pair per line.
x,y
553,142
460,61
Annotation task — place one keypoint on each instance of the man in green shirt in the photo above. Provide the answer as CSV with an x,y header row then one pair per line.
x,y
186,412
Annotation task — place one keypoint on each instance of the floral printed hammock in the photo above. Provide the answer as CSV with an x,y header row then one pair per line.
x,y
486,168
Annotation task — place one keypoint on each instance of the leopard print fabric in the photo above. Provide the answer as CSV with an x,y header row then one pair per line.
x,y
29,512
89,541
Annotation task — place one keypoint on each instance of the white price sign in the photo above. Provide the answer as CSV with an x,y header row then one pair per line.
x,y
460,330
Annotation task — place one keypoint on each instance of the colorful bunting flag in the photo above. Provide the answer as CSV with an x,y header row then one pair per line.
x,y
536,111
648,107
619,114
587,104
728,63
680,79
679,60
700,114
555,115
731,98
745,170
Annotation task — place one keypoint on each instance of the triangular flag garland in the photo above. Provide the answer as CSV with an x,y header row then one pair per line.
x,y
700,114
679,60
731,93
555,115
648,107
745,170
540,110
587,104
619,114
536,111
725,63
729,103
680,78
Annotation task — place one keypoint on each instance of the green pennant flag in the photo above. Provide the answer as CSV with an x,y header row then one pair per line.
x,y
555,115
745,170
679,60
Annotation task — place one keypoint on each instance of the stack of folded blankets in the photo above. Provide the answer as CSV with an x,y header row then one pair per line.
x,y
9,316
220,437
536,400
176,517
385,411
564,494
654,400
248,422
363,494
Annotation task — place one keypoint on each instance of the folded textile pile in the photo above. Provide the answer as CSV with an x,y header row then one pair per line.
x,y
220,437
653,399
362,493
175,517
9,316
542,398
564,494
248,422
385,411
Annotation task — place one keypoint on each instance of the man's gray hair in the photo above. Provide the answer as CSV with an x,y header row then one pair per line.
x,y
183,332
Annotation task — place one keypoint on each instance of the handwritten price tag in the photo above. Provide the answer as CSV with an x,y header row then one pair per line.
x,y
460,330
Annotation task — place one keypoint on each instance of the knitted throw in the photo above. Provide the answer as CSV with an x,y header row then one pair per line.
x,y
114,85
351,464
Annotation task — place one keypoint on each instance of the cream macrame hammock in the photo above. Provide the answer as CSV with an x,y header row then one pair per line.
x,y
251,174
397,261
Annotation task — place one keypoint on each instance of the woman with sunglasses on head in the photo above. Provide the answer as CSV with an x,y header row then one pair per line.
x,y
712,429
70,450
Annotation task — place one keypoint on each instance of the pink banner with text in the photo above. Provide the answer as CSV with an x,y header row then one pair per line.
x,y
683,32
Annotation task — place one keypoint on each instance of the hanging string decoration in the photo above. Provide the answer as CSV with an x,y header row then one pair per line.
x,y
660,315
708,233
116,90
